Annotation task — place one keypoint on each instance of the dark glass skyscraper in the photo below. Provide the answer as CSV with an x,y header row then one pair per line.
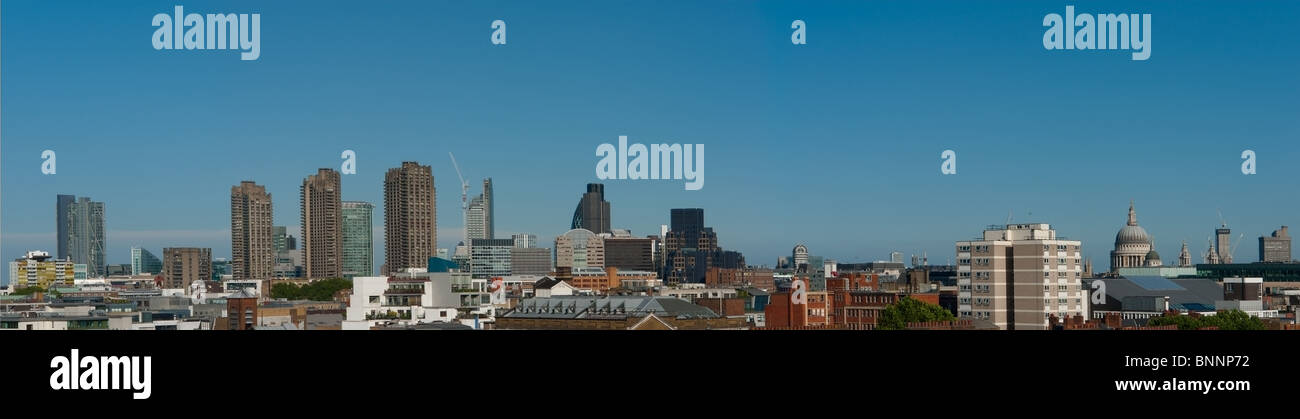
x,y
61,217
687,221
690,247
593,211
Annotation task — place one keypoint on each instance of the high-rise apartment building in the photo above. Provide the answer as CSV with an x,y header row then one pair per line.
x,y
358,239
184,265
85,234
410,217
592,213
479,214
322,225
252,240
1018,275
1275,248
144,262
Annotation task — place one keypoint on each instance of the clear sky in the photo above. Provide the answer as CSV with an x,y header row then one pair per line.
x,y
835,144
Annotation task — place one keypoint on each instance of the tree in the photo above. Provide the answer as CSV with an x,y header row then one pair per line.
x,y
322,290
1224,320
28,290
909,310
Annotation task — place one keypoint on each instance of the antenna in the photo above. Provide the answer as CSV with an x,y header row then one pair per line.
x,y
464,200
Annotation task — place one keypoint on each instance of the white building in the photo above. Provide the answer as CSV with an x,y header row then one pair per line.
x,y
418,297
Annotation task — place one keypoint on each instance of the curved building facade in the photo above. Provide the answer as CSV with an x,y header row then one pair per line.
x,y
593,211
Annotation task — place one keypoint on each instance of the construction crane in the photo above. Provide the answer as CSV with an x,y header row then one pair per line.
x,y
464,200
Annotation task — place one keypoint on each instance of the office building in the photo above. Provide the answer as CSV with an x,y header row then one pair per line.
x,y
252,246
479,214
322,225
530,261
690,248
1018,275
143,262
579,248
82,232
358,239
524,240
223,269
282,240
592,213
184,265
1223,243
410,217
61,206
490,257
798,257
630,253
1276,247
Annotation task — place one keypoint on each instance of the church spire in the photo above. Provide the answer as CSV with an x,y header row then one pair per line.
x,y
1132,214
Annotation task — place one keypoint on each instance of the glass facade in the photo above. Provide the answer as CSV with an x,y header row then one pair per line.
x,y
358,239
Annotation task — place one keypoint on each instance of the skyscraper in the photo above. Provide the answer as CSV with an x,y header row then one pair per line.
x,y
143,262
184,265
1223,243
1275,248
358,239
689,247
281,239
85,235
410,217
593,211
322,225
252,246
1018,275
479,214
61,206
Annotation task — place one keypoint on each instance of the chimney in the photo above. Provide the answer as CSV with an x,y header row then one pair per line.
x,y
1166,303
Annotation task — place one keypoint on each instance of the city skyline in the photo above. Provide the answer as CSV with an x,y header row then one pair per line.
x,y
533,128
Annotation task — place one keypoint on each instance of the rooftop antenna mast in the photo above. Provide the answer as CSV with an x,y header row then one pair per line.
x,y
464,201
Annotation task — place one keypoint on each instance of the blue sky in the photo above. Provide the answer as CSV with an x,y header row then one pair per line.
x,y
834,144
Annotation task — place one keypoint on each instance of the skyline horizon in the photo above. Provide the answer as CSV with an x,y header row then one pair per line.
x,y
547,240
